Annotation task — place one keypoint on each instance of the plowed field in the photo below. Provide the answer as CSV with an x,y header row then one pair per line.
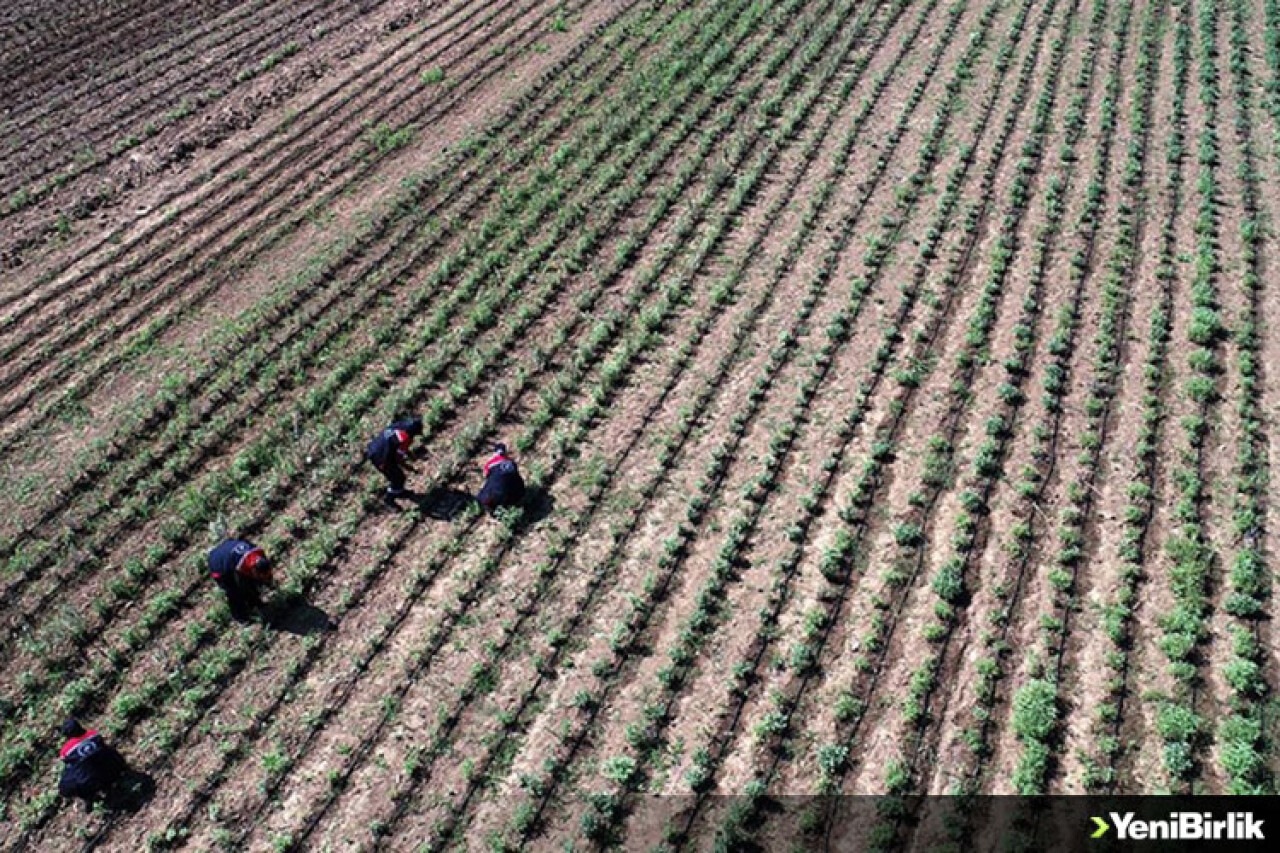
x,y
893,379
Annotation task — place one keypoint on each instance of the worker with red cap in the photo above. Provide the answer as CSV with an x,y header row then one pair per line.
x,y
241,569
89,766
388,452
503,485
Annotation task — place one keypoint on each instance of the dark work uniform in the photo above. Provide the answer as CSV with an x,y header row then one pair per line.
x,y
387,450
503,485
234,566
89,767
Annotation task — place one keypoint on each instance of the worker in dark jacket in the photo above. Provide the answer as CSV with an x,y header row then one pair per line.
x,y
389,453
90,767
502,483
241,569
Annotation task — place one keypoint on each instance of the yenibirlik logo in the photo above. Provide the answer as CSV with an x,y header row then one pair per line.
x,y
1183,826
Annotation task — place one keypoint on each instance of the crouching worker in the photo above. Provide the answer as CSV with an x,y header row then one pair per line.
x,y
389,453
241,569
90,767
502,483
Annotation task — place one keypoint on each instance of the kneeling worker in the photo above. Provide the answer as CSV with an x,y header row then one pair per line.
x,y
503,485
90,767
241,569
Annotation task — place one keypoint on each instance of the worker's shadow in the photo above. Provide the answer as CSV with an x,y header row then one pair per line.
x,y
297,617
133,790
535,506
441,503
538,504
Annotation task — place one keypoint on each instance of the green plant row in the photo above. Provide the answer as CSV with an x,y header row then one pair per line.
x,y
1188,546
196,583
840,561
676,547
646,737
321,270
838,564
1033,479
1102,771
167,477
1243,747
802,657
545,668
1271,98
986,462
909,533
192,433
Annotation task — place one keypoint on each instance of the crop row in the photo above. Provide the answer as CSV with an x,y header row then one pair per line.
x,y
326,278
1271,37
1184,628
155,557
1006,585
909,532
641,337
487,674
1101,766
1243,748
950,583
839,562
1118,613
